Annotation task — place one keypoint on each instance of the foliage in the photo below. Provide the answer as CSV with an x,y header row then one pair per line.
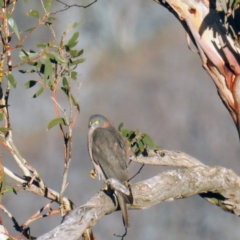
x,y
51,66
139,142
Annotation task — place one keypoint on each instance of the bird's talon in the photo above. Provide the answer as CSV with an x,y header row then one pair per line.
x,y
106,188
93,174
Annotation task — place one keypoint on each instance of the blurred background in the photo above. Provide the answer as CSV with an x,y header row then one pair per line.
x,y
139,71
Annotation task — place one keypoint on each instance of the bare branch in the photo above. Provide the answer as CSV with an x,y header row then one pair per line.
x,y
66,6
38,215
14,176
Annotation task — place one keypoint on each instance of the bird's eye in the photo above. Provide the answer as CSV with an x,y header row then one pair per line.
x,y
96,122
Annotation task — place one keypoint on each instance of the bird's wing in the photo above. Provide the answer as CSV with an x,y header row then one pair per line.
x,y
109,153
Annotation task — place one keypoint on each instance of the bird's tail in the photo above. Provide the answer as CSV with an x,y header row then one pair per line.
x,y
123,199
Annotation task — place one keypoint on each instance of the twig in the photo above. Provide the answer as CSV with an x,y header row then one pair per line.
x,y
73,5
140,169
18,158
16,225
37,215
62,110
67,159
50,26
13,175
40,21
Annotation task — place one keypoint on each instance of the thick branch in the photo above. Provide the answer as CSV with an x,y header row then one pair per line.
x,y
168,158
171,185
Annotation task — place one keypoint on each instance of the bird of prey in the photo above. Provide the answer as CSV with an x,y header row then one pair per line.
x,y
108,152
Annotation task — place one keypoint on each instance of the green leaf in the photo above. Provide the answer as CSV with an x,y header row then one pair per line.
x,y
65,82
73,39
27,71
80,53
75,53
47,5
19,46
40,91
73,45
35,64
137,152
76,62
33,13
72,99
51,85
74,75
126,133
51,18
10,190
47,70
4,130
1,3
120,127
29,29
74,103
30,84
48,23
65,90
13,25
140,145
147,140
55,122
12,80
27,55
75,25
58,58
131,135
51,57
42,45
1,116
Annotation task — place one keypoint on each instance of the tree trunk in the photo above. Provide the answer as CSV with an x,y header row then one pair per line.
x,y
214,29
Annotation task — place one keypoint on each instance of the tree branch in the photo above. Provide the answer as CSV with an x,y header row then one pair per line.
x,y
194,178
168,158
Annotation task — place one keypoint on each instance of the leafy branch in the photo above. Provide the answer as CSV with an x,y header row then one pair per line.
x,y
52,66
138,142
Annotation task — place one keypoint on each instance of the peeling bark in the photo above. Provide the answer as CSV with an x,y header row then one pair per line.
x,y
214,29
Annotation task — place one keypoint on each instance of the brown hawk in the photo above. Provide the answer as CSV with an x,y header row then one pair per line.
x,y
107,149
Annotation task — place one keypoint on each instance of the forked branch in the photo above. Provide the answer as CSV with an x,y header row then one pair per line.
x,y
216,184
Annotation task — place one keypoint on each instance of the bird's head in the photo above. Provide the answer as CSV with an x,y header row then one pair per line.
x,y
98,120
